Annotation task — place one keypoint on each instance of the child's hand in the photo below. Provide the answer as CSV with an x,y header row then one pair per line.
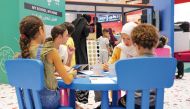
x,y
73,72
67,68
129,56
70,50
116,42
56,74
105,67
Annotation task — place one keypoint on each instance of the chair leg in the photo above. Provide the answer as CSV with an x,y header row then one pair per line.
x,y
119,94
72,98
114,98
64,97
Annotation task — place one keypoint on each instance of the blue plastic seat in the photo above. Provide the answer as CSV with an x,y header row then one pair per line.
x,y
27,76
145,74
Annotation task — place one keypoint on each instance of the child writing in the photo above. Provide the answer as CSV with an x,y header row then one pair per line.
x,y
125,49
122,51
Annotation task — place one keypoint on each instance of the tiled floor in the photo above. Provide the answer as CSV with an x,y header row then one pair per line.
x,y
177,97
8,98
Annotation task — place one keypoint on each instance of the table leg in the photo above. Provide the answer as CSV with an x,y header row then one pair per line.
x,y
72,98
114,97
105,100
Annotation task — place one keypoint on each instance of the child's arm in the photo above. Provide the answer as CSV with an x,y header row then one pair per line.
x,y
70,51
115,56
53,57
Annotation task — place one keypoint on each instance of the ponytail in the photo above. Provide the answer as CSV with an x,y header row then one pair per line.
x,y
29,27
24,46
49,39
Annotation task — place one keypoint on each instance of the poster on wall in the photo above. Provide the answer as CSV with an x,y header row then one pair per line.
x,y
109,18
52,12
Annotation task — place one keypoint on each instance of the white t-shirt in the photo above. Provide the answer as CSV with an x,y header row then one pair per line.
x,y
127,51
103,42
63,53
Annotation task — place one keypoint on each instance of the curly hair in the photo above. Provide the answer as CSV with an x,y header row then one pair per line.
x,y
29,27
145,35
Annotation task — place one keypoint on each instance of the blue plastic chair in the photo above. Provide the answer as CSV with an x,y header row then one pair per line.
x,y
145,74
27,76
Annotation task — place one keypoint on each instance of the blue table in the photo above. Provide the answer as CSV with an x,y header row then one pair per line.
x,y
85,84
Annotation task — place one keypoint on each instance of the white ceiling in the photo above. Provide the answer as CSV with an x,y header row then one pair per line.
x,y
82,8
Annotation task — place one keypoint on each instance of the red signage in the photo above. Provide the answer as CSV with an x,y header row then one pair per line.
x,y
181,1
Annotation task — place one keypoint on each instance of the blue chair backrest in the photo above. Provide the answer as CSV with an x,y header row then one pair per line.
x,y
145,73
27,76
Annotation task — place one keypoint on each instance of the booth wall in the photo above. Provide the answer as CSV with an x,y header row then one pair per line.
x,y
166,8
12,11
8,33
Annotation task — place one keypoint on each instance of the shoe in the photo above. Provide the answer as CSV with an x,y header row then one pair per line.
x,y
179,76
98,107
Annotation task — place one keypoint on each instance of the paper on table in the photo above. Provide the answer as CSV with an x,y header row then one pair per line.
x,y
101,80
87,72
106,72
58,77
114,78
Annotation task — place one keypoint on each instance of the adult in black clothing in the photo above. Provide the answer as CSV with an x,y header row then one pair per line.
x,y
180,67
180,64
82,30
98,27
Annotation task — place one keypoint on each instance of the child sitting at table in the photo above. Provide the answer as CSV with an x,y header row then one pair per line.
x,y
145,38
69,43
32,38
59,35
122,51
125,49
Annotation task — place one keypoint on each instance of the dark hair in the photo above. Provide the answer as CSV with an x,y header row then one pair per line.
x,y
70,27
162,42
112,37
87,17
57,30
95,19
185,26
29,27
145,35
105,30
